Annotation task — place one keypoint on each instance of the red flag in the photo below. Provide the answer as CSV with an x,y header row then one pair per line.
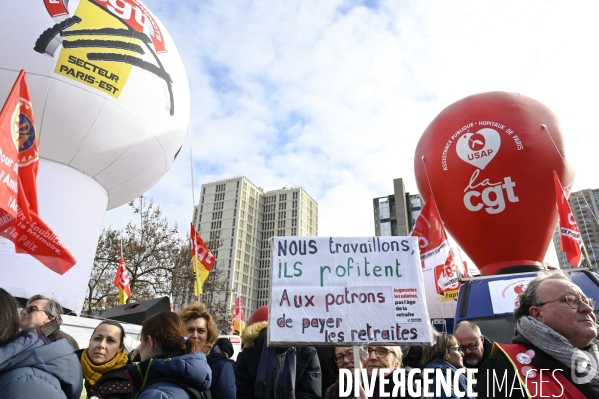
x,y
429,230
121,281
19,160
201,259
238,322
570,239
9,158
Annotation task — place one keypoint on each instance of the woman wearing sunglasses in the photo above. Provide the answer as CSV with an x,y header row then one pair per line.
x,y
445,355
30,366
105,361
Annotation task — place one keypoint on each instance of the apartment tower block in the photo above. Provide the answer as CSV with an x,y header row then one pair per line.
x,y
239,219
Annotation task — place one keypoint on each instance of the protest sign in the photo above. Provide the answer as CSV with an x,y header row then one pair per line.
x,y
350,291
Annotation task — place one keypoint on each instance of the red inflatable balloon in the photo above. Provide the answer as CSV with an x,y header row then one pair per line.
x,y
489,161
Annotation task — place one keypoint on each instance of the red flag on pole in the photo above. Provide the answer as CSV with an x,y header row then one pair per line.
x,y
436,254
570,239
201,259
121,281
429,230
19,160
238,322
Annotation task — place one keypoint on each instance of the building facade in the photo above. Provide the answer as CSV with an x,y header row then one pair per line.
x,y
585,208
395,214
239,219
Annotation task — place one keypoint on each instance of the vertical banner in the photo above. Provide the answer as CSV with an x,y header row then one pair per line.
x,y
361,290
438,267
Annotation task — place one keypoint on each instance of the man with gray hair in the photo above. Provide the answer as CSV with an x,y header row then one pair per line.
x,y
555,352
43,315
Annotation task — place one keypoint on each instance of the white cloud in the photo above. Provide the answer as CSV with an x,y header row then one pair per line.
x,y
333,96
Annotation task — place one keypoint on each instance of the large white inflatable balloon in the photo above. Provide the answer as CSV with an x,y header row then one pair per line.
x,y
111,101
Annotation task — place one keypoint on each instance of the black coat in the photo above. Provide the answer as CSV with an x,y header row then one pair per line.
x,y
308,376
113,385
223,377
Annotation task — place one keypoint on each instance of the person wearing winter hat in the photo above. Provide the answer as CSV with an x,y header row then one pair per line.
x,y
225,346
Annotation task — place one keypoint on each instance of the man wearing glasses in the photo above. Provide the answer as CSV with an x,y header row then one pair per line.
x,y
43,315
475,346
555,352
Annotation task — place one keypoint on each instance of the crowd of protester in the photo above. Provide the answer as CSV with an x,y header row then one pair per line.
x,y
180,356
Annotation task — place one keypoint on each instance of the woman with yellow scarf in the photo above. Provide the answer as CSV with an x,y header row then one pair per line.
x,y
104,363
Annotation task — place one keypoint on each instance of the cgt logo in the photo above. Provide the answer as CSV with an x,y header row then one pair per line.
x,y
492,197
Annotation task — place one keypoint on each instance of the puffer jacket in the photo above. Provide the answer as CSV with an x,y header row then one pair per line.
x,y
172,376
223,377
307,376
33,367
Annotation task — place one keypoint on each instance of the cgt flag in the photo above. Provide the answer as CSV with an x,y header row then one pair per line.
x,y
19,161
436,254
121,281
238,322
201,259
429,229
570,239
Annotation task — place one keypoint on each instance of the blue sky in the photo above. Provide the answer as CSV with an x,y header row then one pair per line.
x,y
333,96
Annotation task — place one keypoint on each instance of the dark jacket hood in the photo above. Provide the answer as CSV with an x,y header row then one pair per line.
x,y
30,350
190,369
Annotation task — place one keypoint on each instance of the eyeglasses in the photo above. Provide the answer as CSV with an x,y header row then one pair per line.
x,y
349,355
573,301
456,348
33,308
472,347
379,352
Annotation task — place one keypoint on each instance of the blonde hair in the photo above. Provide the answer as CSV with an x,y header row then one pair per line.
x,y
195,311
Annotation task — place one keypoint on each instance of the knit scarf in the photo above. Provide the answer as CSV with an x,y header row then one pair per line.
x,y
557,346
93,372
